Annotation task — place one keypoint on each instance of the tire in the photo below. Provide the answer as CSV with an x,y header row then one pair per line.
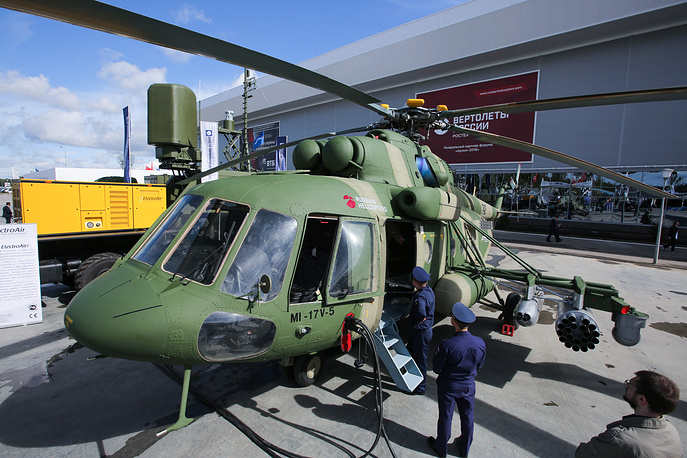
x,y
93,267
307,369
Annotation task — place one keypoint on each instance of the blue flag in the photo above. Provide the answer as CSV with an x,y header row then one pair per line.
x,y
259,141
127,131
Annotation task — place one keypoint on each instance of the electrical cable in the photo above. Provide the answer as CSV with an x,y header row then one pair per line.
x,y
351,324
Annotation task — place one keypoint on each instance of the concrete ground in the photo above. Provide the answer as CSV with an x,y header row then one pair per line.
x,y
534,396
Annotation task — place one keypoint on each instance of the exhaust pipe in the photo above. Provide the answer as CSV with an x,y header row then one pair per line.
x,y
527,313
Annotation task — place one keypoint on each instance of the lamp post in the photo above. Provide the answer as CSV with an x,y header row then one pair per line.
x,y
666,175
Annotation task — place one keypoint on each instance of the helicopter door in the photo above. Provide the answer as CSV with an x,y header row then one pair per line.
x,y
314,260
400,259
354,272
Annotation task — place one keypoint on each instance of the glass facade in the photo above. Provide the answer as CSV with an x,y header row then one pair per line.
x,y
579,195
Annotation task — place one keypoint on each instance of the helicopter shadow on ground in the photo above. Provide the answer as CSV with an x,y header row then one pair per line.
x,y
231,385
92,401
513,429
87,402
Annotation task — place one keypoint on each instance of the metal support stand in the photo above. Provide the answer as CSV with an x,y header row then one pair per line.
x,y
182,421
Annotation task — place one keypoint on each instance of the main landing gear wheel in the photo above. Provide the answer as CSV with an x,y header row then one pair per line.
x,y
307,368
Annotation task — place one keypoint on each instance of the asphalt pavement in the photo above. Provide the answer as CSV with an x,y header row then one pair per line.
x,y
534,396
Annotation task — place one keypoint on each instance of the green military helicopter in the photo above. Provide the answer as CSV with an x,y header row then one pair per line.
x,y
272,266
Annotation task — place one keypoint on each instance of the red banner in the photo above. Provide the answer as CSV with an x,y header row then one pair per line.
x,y
457,148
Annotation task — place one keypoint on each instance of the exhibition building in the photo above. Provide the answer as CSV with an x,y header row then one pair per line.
x,y
488,52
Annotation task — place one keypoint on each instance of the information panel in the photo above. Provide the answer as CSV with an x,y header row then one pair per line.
x,y
458,148
20,285
263,137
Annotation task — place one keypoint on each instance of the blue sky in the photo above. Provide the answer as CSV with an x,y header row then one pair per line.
x,y
62,87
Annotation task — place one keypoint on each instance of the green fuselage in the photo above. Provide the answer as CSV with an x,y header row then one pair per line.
x,y
189,291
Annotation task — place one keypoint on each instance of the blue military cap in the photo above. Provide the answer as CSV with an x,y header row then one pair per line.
x,y
463,314
420,274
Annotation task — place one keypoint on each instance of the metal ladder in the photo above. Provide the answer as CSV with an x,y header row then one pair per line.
x,y
395,356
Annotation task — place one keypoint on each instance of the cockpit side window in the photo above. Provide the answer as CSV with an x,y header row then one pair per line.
x,y
266,250
200,254
353,270
158,242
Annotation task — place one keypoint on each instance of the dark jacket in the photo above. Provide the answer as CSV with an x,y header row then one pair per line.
x,y
457,360
422,310
672,232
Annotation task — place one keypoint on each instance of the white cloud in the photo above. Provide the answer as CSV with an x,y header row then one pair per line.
x,y
41,124
104,104
37,88
128,76
188,13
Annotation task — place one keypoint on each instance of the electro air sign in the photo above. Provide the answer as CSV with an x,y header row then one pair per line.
x,y
20,286
459,148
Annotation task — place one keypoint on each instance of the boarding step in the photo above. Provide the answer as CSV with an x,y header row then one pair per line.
x,y
395,356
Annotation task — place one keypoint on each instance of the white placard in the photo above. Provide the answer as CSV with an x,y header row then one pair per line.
x,y
20,284
209,148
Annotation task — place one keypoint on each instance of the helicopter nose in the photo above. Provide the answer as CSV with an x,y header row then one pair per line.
x,y
120,315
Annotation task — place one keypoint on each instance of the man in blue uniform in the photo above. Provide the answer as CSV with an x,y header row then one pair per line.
x,y
421,321
457,361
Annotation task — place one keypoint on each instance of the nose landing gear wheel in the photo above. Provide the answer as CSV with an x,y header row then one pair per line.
x,y
307,368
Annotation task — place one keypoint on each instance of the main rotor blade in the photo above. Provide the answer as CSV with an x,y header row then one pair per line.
x,y
262,152
612,98
107,18
560,157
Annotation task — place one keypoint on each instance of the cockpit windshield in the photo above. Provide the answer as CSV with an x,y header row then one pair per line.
x,y
157,243
265,251
200,254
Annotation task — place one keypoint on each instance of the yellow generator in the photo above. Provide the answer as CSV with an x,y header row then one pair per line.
x,y
84,227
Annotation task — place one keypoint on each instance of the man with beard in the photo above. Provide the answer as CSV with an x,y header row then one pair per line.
x,y
646,432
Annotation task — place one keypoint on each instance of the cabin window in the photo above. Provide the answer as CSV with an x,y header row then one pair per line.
x,y
353,266
200,254
265,251
314,260
158,242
